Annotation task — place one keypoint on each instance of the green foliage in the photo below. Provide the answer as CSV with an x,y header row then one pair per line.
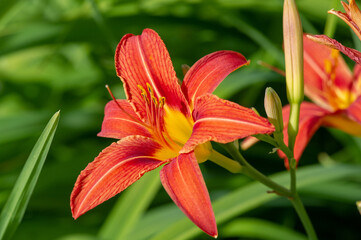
x,y
59,54
14,209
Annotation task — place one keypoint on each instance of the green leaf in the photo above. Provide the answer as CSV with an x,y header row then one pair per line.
x,y
253,195
162,216
123,218
340,191
20,126
16,204
250,228
239,80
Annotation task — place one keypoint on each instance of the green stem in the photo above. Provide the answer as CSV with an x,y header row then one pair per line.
x,y
302,214
331,20
225,162
293,124
292,194
293,165
255,174
100,21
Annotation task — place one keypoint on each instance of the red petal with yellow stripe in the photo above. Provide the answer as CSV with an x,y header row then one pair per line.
x,y
120,121
223,121
208,72
115,168
325,72
184,183
143,62
311,117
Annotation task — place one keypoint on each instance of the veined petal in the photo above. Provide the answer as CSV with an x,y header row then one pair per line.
x,y
352,16
311,117
350,52
115,168
208,72
356,84
121,121
183,181
355,14
354,113
223,121
144,60
324,71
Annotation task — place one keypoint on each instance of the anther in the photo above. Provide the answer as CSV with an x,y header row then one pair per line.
x,y
161,102
150,90
154,101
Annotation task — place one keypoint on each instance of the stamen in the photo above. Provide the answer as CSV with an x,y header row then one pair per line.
x,y
150,90
154,108
272,68
121,108
161,102
154,101
143,93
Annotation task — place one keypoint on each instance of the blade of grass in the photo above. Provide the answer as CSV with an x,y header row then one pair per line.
x,y
331,20
123,218
17,202
162,215
339,191
250,228
356,40
99,19
254,195
254,34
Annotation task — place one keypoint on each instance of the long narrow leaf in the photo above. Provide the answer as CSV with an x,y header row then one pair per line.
x,y
254,195
130,207
250,228
17,202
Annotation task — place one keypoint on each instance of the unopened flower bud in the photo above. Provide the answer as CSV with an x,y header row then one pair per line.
x,y
358,204
293,47
273,107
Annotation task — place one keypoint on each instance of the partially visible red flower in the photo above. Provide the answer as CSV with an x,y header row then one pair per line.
x,y
164,123
335,91
351,16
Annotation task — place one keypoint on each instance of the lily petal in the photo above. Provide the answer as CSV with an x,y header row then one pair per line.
x,y
223,121
311,117
317,58
352,16
356,85
208,72
183,181
354,111
115,168
142,60
350,52
121,121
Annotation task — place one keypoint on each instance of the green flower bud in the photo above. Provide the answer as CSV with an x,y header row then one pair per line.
x,y
273,107
293,47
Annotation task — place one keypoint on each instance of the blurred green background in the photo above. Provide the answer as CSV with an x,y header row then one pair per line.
x,y
59,54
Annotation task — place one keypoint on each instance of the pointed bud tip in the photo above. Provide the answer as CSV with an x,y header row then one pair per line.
x,y
293,48
273,107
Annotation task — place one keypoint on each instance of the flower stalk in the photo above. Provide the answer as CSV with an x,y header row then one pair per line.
x,y
223,161
293,47
253,173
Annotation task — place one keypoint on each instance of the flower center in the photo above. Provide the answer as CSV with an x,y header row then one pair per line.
x,y
337,97
170,127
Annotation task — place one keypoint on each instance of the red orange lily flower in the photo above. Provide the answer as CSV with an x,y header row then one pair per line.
x,y
351,16
335,91
162,122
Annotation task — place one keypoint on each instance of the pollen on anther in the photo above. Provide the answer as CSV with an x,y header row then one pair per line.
x,y
150,89
161,102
